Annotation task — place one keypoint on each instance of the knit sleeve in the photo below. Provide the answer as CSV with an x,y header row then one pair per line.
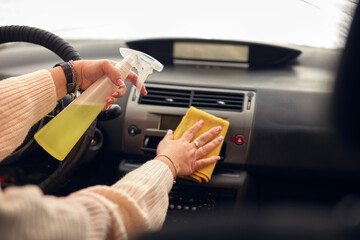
x,y
135,204
24,100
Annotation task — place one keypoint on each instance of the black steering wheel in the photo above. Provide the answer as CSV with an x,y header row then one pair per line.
x,y
58,173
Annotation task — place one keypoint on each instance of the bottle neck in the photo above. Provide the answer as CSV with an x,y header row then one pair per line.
x,y
124,68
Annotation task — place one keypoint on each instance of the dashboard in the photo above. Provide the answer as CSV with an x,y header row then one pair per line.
x,y
281,144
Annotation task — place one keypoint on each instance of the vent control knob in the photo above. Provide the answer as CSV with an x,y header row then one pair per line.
x,y
134,130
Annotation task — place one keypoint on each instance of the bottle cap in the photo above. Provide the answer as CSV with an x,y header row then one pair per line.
x,y
143,63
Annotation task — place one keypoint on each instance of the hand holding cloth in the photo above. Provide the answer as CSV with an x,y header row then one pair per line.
x,y
191,117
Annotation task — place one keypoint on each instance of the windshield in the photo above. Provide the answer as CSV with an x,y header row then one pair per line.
x,y
318,23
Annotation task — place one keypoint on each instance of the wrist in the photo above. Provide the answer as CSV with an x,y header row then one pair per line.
x,y
169,162
59,79
71,77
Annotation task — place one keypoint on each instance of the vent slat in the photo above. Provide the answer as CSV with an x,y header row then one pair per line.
x,y
219,105
201,95
200,99
240,101
162,103
166,97
166,91
206,105
218,100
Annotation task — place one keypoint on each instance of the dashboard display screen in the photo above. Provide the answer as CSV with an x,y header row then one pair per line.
x,y
221,52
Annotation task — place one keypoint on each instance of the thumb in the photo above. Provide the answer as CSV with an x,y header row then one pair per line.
x,y
169,135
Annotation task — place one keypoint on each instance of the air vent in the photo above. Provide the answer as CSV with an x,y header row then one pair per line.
x,y
218,100
166,97
200,99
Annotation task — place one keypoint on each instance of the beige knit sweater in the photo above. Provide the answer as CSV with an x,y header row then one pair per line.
x,y
136,203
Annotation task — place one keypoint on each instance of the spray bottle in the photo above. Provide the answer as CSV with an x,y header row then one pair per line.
x,y
61,134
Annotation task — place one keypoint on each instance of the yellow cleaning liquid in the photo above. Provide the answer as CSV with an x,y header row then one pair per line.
x,y
60,135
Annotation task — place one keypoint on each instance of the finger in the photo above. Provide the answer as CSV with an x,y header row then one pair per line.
x,y
204,150
107,106
133,78
109,67
120,83
190,133
205,162
119,92
116,93
207,136
110,70
110,100
143,90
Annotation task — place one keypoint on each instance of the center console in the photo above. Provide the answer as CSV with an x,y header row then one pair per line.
x,y
147,119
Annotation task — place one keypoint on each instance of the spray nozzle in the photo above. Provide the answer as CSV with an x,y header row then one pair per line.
x,y
143,63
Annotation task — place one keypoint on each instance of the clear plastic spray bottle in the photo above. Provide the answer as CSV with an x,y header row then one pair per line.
x,y
61,134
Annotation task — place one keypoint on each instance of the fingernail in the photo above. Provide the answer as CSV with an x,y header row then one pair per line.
x,y
107,107
218,157
220,138
169,132
218,128
120,82
109,100
115,94
201,121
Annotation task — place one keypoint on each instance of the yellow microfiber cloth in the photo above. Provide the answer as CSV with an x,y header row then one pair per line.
x,y
191,117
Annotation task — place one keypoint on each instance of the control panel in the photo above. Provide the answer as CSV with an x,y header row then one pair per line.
x,y
147,120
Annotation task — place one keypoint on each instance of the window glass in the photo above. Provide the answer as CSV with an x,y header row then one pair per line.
x,y
320,23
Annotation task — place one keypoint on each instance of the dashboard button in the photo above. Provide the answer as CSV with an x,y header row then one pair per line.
x,y
133,130
238,139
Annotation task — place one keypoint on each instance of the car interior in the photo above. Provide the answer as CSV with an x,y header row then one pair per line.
x,y
290,162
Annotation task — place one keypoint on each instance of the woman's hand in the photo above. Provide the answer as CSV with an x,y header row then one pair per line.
x,y
187,156
90,71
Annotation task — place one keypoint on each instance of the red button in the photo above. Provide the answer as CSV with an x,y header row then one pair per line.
x,y
238,139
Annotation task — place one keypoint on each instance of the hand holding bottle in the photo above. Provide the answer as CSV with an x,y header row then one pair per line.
x,y
103,84
88,71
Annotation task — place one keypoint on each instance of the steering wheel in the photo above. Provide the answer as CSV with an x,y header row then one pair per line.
x,y
63,170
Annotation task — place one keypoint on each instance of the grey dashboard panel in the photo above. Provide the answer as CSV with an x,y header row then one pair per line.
x,y
295,129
